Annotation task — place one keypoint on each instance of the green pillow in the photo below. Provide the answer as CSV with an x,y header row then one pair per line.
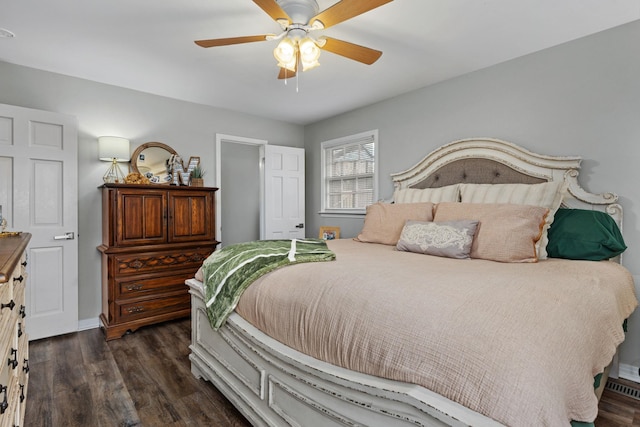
x,y
584,234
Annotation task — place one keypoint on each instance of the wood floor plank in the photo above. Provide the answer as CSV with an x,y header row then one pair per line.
x,y
109,398
144,379
40,403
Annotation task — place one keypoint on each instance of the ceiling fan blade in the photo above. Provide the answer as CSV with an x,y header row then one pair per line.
x,y
350,50
286,74
345,9
274,10
231,40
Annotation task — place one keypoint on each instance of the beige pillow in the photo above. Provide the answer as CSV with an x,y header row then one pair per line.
x,y
449,193
384,221
505,233
547,194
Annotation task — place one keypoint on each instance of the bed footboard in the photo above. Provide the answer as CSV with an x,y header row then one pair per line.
x,y
273,385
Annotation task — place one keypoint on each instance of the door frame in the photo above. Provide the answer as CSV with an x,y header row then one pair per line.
x,y
260,143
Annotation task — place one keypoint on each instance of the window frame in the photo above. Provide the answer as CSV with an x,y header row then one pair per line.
x,y
345,141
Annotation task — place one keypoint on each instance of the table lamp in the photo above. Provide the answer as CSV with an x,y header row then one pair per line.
x,y
115,150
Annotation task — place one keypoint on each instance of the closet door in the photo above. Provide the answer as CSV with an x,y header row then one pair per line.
x,y
284,192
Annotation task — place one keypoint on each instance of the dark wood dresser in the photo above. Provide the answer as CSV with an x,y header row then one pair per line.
x,y
154,237
14,344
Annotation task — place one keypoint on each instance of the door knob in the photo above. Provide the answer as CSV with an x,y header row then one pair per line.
x,y
66,236
301,225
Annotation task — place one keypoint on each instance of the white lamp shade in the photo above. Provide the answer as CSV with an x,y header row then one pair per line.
x,y
113,147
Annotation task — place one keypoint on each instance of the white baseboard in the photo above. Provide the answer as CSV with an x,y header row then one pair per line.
x,y
629,372
86,324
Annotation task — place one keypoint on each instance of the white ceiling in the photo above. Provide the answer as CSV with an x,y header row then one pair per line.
x,y
147,45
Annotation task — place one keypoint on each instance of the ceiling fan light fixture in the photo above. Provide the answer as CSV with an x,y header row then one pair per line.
x,y
309,53
285,54
296,49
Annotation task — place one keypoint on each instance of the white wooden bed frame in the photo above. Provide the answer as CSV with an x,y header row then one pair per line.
x,y
274,385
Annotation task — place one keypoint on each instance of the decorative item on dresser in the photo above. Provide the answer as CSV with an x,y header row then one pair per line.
x,y
14,344
115,150
153,239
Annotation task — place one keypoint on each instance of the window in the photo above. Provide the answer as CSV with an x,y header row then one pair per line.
x,y
349,178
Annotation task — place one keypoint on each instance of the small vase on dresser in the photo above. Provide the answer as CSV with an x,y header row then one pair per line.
x,y
14,344
154,237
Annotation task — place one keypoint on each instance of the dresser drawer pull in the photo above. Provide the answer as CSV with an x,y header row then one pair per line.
x,y
24,263
25,366
20,329
18,279
196,258
11,304
23,311
136,309
22,396
135,287
13,363
4,404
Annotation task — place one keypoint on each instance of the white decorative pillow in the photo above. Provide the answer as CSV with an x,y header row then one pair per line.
x,y
449,193
547,194
451,239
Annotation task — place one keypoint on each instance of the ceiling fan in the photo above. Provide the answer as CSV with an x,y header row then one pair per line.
x,y
298,18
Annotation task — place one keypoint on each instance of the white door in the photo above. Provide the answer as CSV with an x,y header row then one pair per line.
x,y
38,194
284,192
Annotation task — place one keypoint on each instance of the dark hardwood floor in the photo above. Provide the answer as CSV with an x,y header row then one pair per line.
x,y
144,379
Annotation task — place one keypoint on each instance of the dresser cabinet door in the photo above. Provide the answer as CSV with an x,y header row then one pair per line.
x,y
141,217
190,216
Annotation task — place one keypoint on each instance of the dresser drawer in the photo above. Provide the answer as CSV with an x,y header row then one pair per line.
x,y
133,287
6,376
153,262
7,316
152,307
11,415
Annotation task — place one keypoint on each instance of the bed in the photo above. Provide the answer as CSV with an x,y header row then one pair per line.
x,y
444,369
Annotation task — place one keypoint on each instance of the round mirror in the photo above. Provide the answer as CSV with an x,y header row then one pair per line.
x,y
152,161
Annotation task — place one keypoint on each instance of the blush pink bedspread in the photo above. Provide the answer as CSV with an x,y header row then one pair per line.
x,y
519,343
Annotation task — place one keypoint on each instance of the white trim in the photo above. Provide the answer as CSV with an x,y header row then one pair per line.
x,y
370,134
629,372
86,324
330,214
220,138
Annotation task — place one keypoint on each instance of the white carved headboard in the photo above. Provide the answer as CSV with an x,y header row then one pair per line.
x,y
488,160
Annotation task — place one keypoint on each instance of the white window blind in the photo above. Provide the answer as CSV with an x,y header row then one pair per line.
x,y
349,173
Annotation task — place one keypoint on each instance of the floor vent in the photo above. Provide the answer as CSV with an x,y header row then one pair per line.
x,y
623,389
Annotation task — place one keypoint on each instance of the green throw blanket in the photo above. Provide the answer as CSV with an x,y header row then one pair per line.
x,y
230,270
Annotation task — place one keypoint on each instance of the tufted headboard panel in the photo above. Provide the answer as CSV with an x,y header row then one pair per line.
x,y
477,171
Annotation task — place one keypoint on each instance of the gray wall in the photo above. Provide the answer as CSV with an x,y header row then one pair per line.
x,y
240,208
108,110
580,98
